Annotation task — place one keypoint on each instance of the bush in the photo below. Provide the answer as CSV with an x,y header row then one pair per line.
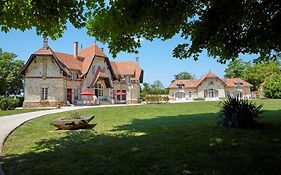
x,y
238,113
21,99
272,86
7,103
199,99
156,99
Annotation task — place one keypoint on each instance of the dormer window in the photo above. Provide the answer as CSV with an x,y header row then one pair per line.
x,y
128,80
74,76
180,86
238,85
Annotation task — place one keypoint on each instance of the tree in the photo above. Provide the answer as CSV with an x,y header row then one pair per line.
x,y
49,18
156,87
257,73
224,28
183,76
272,86
235,68
10,78
145,89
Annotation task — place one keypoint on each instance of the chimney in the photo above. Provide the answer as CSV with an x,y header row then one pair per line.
x,y
137,59
75,47
45,42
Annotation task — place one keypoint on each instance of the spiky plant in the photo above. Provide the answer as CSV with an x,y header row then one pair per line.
x,y
239,113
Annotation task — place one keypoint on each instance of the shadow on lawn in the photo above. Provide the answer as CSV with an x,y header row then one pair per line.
x,y
185,144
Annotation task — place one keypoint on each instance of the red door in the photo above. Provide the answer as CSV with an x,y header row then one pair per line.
x,y
69,95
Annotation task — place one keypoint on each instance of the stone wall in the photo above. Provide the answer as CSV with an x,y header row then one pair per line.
x,y
43,73
132,92
217,85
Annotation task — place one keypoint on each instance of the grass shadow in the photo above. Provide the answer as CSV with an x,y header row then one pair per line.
x,y
181,144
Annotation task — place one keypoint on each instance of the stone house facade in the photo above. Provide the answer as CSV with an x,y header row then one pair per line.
x,y
54,78
209,87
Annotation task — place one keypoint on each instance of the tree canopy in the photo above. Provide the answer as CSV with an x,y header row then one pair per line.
x,y
235,68
155,88
257,73
10,78
49,18
224,28
272,86
183,76
254,73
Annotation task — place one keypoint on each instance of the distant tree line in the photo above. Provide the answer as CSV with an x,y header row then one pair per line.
x,y
265,73
155,88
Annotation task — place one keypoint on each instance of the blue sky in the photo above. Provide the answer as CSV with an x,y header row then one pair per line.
x,y
155,57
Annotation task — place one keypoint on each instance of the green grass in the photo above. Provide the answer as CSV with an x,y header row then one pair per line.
x,y
149,139
17,111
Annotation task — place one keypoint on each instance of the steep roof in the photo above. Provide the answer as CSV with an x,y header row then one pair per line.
x,y
67,62
44,52
128,68
101,74
88,54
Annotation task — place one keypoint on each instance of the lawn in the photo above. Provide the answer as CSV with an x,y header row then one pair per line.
x,y
148,139
17,111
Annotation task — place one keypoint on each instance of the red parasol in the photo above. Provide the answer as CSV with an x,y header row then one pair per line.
x,y
87,92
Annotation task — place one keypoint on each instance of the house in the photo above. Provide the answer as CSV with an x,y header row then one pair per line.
x,y
54,78
209,87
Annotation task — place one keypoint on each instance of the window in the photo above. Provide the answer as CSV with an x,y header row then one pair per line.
x,y
128,80
238,85
75,94
189,94
211,93
180,95
98,90
121,94
211,83
44,93
74,76
180,86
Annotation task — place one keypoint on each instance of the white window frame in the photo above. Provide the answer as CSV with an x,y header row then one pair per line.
x,y
44,93
99,89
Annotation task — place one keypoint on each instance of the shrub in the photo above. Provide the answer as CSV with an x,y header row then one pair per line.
x,y
7,103
272,86
21,99
199,99
238,113
156,99
166,99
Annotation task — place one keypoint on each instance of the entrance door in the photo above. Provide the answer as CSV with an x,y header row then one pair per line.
x,y
69,95
239,95
99,91
180,96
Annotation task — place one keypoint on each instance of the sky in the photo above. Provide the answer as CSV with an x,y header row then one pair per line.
x,y
155,57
